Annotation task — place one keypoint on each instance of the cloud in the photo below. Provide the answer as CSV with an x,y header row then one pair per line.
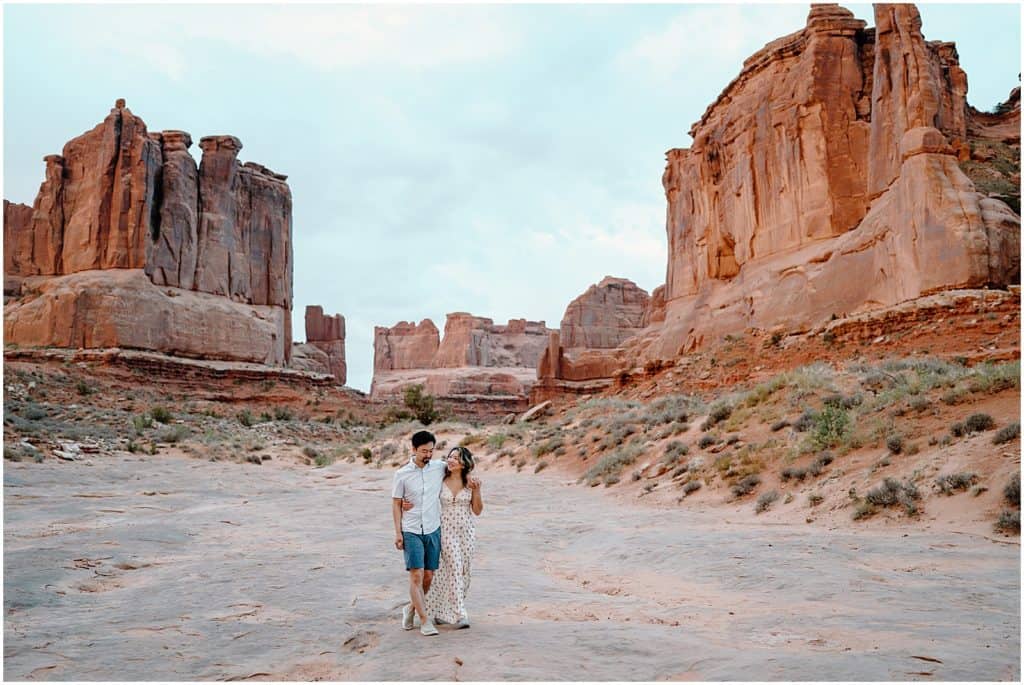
x,y
719,36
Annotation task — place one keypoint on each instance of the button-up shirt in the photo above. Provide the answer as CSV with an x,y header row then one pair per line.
x,y
422,487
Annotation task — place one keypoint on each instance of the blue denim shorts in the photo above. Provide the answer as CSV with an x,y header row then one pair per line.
x,y
422,551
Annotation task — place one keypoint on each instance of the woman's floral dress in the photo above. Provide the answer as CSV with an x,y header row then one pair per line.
x,y
447,597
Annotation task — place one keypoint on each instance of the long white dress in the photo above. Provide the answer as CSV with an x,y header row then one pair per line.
x,y
447,597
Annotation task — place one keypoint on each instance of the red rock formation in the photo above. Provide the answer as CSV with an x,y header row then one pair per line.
x,y
122,308
405,346
769,222
122,198
476,341
17,237
654,313
605,315
476,361
327,334
173,254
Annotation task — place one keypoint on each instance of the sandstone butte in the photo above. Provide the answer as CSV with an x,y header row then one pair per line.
x,y
824,181
477,360
130,244
324,349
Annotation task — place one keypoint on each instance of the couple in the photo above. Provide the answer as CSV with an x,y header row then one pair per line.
x,y
432,504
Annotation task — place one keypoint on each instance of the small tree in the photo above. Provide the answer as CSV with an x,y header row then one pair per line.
x,y
421,405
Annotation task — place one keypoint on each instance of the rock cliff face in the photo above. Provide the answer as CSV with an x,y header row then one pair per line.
x,y
119,197
605,315
475,358
326,335
824,181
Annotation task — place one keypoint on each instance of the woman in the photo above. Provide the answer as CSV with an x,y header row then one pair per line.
x,y
460,501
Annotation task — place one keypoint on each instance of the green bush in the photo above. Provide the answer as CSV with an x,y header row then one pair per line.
x,y
246,418
421,405
285,414
830,427
161,414
895,444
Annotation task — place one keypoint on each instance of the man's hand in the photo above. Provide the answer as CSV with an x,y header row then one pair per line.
x,y
399,543
474,483
406,505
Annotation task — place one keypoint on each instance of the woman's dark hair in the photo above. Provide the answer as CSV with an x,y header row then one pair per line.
x,y
466,457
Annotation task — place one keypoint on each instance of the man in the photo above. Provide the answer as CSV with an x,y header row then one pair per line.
x,y
418,530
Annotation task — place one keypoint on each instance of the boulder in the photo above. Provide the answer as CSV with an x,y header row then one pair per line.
x,y
605,315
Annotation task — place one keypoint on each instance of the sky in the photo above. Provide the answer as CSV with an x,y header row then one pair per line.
x,y
495,159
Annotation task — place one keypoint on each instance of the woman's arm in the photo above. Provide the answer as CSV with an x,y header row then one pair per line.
x,y
477,501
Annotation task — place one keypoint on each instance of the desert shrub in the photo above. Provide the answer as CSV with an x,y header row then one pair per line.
x,y
548,446
674,451
321,460
668,409
1012,490
863,509
719,412
366,454
892,492
977,423
691,486
830,426
496,441
84,388
161,414
613,463
141,422
285,414
732,439
172,434
1009,522
706,441
919,404
894,443
805,421
246,418
794,472
420,404
779,425
814,499
765,501
1007,433
825,458
541,465
746,485
951,482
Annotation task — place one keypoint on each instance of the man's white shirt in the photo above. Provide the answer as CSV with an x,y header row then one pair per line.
x,y
422,487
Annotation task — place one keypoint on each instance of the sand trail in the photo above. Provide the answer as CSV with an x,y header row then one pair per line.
x,y
195,570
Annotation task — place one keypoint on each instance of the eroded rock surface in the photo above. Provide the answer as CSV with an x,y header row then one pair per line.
x,y
605,315
119,197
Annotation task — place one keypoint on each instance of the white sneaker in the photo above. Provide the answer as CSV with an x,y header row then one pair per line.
x,y
428,628
407,616
463,622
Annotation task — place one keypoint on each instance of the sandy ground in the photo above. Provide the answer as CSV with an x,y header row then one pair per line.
x,y
184,569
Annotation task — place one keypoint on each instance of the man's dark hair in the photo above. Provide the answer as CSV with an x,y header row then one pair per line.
x,y
422,438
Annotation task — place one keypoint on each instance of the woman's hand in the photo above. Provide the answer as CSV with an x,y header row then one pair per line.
x,y
474,483
406,505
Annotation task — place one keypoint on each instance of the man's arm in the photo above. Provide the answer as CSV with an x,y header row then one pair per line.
x,y
396,515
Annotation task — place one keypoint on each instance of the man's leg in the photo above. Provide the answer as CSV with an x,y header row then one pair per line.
x,y
428,577
416,592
